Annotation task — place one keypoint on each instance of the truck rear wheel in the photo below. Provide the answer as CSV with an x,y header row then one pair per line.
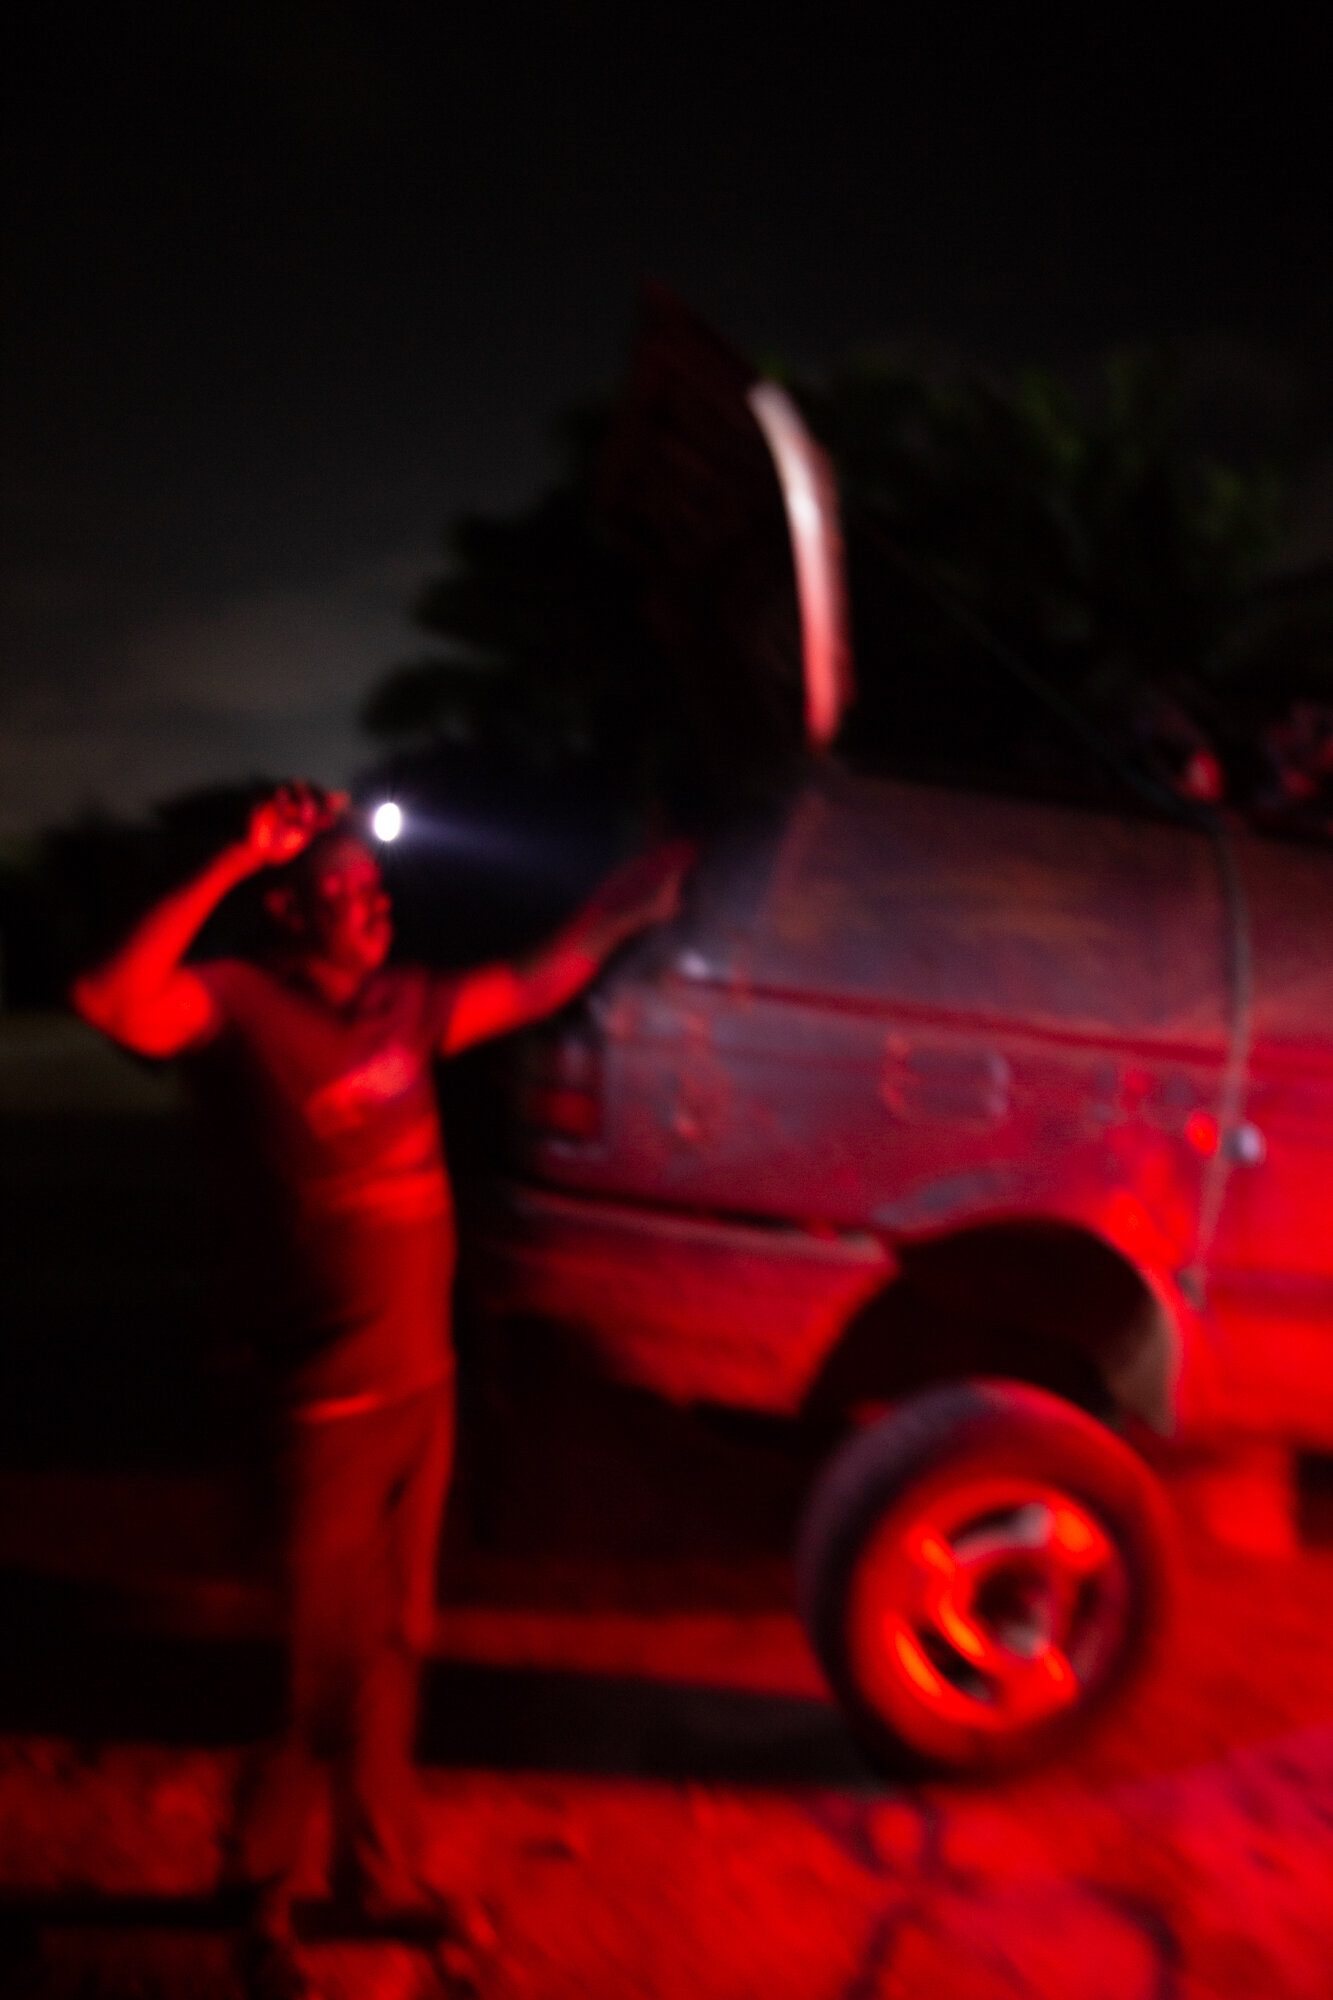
x,y
979,1573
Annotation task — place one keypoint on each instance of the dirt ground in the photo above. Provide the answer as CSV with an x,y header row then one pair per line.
x,y
629,1757
657,1836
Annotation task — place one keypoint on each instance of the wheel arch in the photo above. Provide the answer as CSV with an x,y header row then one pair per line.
x,y
1036,1299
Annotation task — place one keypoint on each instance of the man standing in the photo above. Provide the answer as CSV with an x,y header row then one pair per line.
x,y
315,1065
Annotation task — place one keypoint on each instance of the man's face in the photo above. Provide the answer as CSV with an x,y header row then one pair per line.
x,y
344,911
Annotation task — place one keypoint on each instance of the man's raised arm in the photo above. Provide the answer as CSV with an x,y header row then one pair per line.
x,y
143,996
496,998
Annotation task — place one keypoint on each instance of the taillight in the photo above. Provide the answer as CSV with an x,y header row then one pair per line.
x,y
560,1086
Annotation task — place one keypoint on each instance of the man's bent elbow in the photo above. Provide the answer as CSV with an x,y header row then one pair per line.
x,y
162,1026
89,999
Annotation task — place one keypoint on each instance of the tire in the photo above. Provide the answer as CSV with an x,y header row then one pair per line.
x,y
979,1573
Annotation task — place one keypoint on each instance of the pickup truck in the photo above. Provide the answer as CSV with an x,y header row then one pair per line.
x,y
1000,1129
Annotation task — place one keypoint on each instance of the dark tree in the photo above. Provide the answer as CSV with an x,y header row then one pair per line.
x,y
542,656
1045,583
1020,553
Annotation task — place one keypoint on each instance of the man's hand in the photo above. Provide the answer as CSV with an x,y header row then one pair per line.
x,y
645,890
281,827
143,995
497,998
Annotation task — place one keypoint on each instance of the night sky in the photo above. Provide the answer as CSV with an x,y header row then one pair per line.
x,y
289,283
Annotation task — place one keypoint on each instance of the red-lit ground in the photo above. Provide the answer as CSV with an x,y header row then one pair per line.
x,y
639,1824
1190,1852
627,1757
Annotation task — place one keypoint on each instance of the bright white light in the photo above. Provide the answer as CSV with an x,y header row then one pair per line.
x,y
386,822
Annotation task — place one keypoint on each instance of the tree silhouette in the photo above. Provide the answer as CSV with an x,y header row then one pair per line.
x,y
1018,552
1035,570
545,657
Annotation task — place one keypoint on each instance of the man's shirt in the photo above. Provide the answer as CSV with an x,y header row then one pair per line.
x,y
325,1122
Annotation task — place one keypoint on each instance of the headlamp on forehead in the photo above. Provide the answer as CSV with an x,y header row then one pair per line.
x,y
386,822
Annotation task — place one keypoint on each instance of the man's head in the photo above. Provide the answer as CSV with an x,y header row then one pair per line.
x,y
330,905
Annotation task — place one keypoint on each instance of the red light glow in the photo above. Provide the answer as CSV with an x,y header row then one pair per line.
x,y
1201,1133
916,1666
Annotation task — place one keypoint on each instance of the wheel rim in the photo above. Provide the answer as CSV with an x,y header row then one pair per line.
x,y
998,1606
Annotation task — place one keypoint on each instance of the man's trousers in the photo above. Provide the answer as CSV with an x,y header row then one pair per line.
x,y
363,1497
